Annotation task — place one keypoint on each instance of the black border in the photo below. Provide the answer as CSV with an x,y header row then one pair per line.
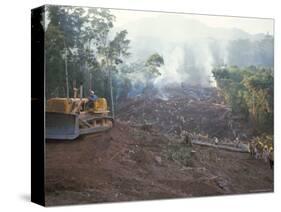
x,y
37,107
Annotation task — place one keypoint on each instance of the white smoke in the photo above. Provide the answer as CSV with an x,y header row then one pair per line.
x,y
170,71
190,49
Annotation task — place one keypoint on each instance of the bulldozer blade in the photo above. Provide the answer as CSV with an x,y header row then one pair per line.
x,y
62,126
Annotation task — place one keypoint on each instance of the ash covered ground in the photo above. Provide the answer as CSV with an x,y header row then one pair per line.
x,y
176,108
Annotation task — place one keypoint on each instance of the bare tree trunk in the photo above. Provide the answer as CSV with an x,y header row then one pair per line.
x,y
91,88
111,93
105,87
66,72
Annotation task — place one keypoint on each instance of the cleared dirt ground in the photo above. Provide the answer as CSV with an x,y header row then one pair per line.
x,y
127,164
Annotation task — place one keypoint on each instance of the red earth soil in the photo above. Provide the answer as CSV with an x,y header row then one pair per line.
x,y
127,164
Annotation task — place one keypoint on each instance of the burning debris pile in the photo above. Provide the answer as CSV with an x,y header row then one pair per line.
x,y
174,109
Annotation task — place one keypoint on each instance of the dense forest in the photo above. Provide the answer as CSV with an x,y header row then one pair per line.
x,y
77,46
249,91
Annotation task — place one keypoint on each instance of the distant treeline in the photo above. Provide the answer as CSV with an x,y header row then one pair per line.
x,y
249,91
245,52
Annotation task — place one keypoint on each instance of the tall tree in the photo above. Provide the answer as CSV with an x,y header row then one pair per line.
x,y
113,52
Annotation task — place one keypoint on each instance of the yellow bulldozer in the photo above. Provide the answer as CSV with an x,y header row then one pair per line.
x,y
68,118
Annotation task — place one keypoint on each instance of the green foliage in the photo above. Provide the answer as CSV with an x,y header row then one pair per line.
x,y
148,69
249,91
54,61
114,51
136,77
181,153
153,62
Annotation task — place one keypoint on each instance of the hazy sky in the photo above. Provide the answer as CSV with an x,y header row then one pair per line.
x,y
250,25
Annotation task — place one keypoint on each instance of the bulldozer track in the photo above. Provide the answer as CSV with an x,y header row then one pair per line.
x,y
90,128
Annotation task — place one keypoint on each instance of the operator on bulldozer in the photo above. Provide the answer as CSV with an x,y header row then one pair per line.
x,y
92,98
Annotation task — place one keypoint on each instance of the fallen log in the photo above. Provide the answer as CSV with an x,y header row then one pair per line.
x,y
224,147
